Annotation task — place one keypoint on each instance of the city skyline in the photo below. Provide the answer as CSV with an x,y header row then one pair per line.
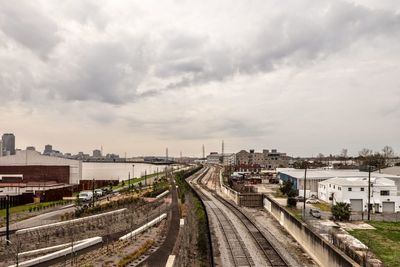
x,y
306,77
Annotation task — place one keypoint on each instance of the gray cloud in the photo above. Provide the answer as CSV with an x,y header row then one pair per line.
x,y
109,68
28,25
193,71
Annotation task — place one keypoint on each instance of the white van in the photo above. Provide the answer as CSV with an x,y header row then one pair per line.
x,y
86,196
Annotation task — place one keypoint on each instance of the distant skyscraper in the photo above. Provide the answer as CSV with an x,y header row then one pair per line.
x,y
8,143
47,149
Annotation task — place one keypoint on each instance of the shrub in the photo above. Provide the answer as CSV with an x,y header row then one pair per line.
x,y
341,211
125,261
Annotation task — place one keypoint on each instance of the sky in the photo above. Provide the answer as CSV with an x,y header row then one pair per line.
x,y
302,76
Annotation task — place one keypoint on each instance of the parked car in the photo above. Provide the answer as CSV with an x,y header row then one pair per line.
x,y
300,199
315,213
85,196
98,192
312,201
106,190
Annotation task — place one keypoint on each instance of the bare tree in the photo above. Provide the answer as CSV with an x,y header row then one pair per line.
x,y
365,152
388,152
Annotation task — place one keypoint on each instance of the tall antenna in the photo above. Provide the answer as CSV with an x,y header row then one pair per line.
x,y
166,154
204,152
222,147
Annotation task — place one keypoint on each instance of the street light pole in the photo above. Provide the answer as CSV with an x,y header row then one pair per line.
x,y
133,172
8,217
369,192
93,192
305,187
129,181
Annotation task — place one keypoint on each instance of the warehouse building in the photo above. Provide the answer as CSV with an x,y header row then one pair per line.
x,y
315,176
383,193
35,167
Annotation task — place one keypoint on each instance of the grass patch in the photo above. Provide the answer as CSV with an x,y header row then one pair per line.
x,y
32,207
384,241
295,212
322,206
134,181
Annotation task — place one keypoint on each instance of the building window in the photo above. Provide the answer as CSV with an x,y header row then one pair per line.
x,y
333,186
340,189
362,188
350,189
385,193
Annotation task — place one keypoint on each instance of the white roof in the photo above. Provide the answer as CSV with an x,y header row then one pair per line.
x,y
29,157
358,181
324,174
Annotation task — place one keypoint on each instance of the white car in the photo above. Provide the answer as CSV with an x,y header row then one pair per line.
x,y
98,192
86,196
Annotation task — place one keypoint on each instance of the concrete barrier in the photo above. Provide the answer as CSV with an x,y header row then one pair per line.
x,y
78,246
162,194
144,227
318,248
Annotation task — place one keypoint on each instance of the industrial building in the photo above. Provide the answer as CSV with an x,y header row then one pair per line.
x,y
383,193
224,159
268,159
35,167
314,176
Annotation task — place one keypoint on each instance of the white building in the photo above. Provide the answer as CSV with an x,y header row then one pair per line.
x,y
33,158
224,159
354,190
314,176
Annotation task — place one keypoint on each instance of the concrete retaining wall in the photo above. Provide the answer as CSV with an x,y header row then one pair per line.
x,y
319,249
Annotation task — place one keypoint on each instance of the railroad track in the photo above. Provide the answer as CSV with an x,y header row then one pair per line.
x,y
271,254
238,251
240,255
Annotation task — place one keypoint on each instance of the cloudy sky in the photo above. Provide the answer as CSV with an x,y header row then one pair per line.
x,y
302,76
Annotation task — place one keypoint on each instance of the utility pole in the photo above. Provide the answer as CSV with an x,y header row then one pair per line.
x,y
369,192
304,189
204,152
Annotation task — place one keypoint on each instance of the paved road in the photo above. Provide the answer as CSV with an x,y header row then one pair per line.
x,y
160,257
45,218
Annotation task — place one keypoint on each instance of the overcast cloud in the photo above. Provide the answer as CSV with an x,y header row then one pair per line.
x,y
303,76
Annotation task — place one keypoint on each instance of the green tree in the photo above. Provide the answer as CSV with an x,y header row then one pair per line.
x,y
287,188
341,211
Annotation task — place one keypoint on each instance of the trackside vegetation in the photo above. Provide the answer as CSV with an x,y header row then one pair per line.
x,y
201,217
